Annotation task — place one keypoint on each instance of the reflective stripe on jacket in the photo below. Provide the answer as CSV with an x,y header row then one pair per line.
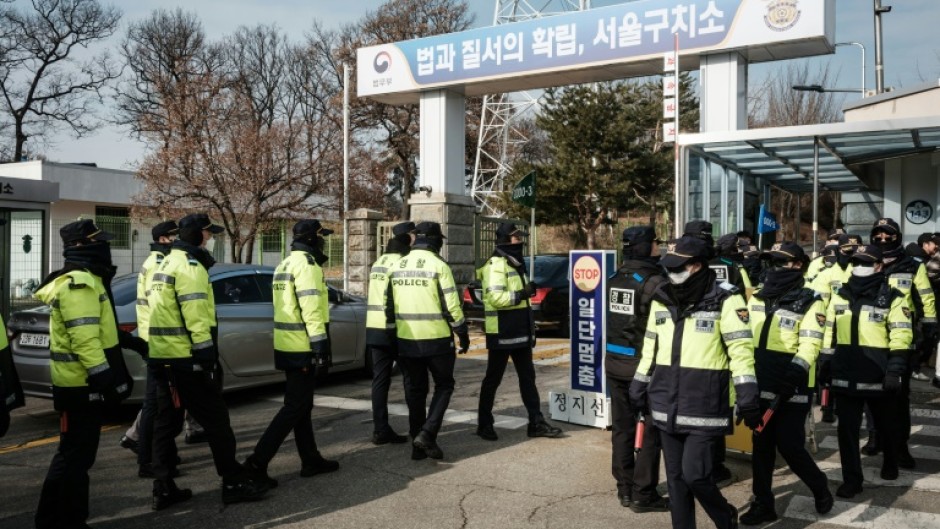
x,y
864,336
379,326
690,361
789,331
153,261
508,314
830,280
301,310
426,305
910,277
81,331
182,310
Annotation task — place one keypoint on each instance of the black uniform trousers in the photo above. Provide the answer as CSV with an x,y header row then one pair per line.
x,y
849,412
689,463
383,360
902,413
63,502
495,368
637,475
784,432
294,416
200,393
148,411
441,368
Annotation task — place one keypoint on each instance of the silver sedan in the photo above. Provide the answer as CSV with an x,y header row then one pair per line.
x,y
246,325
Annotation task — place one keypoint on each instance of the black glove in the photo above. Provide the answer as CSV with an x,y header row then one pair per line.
x,y
752,417
464,340
892,383
794,377
322,354
530,289
824,372
134,343
106,383
638,396
206,357
930,333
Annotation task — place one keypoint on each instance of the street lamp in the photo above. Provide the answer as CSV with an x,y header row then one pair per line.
x,y
879,57
862,47
821,90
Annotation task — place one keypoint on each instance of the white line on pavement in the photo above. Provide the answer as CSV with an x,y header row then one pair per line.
x,y
918,451
924,412
506,422
860,515
906,478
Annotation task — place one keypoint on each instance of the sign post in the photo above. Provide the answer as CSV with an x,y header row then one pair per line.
x,y
524,193
586,402
766,223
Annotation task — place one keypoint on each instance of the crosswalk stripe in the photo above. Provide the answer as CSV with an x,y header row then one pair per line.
x,y
860,515
918,451
906,479
926,413
506,422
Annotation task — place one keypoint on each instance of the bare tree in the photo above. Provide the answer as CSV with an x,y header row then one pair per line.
x,y
43,84
776,104
231,125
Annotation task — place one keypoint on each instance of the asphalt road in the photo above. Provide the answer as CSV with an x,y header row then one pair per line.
x,y
513,482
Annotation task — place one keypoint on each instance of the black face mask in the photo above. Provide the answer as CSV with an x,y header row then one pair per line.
x,y
511,251
196,252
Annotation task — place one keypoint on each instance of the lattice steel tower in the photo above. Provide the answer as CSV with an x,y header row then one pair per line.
x,y
499,135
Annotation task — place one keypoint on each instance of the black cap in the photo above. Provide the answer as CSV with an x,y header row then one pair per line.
x,y
683,250
639,234
787,250
83,230
830,249
886,225
867,254
848,243
429,229
727,244
403,228
834,234
926,237
201,221
750,251
165,229
699,229
508,229
310,228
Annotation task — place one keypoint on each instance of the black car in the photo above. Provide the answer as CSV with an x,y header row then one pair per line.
x,y
550,302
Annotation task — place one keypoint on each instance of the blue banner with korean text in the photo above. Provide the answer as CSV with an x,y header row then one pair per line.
x,y
588,318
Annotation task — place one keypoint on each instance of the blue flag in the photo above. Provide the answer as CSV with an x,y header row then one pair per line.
x,y
766,221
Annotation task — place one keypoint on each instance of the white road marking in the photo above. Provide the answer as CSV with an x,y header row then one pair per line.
x,y
860,515
906,478
918,451
506,422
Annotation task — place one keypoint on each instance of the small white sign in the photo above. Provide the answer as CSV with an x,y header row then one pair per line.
x,y
579,407
669,86
669,62
669,108
669,132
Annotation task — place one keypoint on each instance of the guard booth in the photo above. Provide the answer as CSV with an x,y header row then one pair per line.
x,y
882,168
24,236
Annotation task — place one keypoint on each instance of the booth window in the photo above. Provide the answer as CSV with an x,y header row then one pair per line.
x,y
116,221
271,241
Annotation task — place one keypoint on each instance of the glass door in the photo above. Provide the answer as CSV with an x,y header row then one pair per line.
x,y
22,236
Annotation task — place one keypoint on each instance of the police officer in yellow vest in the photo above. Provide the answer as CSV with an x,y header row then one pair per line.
x,y
301,347
698,343
910,277
380,332
829,280
868,326
788,321
183,360
87,368
139,437
820,263
510,332
423,297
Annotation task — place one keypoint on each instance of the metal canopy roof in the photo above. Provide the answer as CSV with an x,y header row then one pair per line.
x,y
784,155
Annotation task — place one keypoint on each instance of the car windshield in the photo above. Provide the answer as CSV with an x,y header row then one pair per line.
x,y
124,289
550,270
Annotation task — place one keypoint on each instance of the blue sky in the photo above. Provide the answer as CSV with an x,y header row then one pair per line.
x,y
911,41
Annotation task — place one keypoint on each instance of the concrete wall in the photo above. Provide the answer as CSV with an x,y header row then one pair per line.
x,y
924,101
